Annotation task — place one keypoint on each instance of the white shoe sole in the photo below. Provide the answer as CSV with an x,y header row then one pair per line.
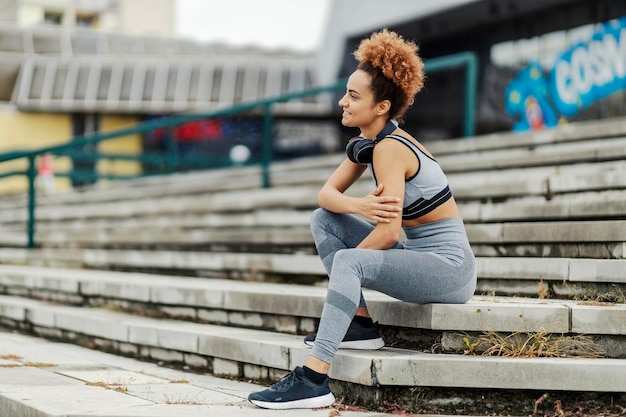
x,y
315,402
372,344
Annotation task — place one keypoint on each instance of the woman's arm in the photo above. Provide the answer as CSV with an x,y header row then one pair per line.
x,y
374,206
391,164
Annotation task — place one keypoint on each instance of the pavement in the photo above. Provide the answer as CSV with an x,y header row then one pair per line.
x,y
40,378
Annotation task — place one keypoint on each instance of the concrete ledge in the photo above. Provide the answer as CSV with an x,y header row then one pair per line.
x,y
502,314
599,319
574,270
600,179
575,231
212,190
553,269
585,205
299,233
562,153
155,186
231,201
184,220
451,370
598,205
388,367
570,132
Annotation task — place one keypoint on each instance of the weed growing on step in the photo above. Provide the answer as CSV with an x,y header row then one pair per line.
x,y
115,387
544,291
16,358
532,345
595,296
411,400
38,364
394,408
591,296
179,381
133,308
577,409
185,400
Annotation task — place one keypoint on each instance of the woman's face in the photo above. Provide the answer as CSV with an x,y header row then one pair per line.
x,y
358,101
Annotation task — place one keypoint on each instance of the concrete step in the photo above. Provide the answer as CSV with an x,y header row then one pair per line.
x,y
226,348
586,239
570,132
187,213
531,232
478,166
562,153
564,278
472,190
195,182
277,229
303,303
53,379
579,206
233,201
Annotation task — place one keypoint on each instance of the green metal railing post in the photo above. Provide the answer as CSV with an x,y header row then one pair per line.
x,y
96,163
32,174
471,81
171,152
267,151
470,62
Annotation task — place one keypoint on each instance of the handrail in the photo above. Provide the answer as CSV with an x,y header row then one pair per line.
x,y
468,60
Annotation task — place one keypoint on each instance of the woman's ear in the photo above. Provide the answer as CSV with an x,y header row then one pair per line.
x,y
383,107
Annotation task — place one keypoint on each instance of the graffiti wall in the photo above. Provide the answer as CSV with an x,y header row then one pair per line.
x,y
584,73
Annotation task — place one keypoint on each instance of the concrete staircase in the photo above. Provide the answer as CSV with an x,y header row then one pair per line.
x,y
212,272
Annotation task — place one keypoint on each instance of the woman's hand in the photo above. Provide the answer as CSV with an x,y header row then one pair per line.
x,y
378,207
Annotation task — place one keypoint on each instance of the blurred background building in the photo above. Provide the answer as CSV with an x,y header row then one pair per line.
x,y
134,17
70,67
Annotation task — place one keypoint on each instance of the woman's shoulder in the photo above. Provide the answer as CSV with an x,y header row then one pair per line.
x,y
399,137
393,149
402,136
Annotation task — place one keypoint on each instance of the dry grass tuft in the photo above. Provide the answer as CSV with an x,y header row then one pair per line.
x,y
533,345
185,400
114,387
39,364
615,296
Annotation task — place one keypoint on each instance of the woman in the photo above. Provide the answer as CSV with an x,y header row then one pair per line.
x,y
435,264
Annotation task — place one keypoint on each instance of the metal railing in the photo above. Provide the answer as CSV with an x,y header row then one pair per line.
x,y
468,60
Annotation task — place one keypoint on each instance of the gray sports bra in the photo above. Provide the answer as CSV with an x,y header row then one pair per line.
x,y
427,189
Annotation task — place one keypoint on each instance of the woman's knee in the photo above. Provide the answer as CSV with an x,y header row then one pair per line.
x,y
321,220
319,217
348,259
346,272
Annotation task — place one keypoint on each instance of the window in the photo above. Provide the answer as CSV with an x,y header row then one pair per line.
x,y
88,20
52,17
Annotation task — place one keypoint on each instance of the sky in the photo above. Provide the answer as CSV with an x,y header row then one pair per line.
x,y
293,24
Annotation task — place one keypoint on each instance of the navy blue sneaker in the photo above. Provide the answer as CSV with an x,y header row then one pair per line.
x,y
357,337
294,391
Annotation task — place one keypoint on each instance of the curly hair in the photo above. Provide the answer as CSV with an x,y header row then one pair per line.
x,y
395,68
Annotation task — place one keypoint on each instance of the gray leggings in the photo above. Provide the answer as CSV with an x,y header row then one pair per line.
x,y
434,265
